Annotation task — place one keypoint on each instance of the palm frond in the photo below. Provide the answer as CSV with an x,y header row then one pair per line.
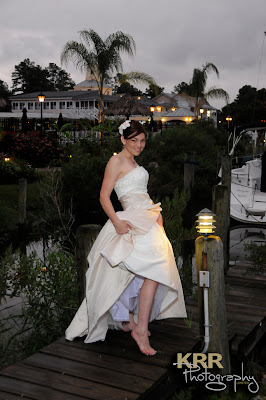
x,y
138,77
121,42
217,93
91,38
208,67
80,56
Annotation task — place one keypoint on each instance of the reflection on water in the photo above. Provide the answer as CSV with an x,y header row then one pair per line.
x,y
240,236
41,247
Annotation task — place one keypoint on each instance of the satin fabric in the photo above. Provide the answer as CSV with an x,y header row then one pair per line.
x,y
115,259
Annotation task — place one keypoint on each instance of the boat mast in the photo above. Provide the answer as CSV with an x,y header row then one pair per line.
x,y
255,99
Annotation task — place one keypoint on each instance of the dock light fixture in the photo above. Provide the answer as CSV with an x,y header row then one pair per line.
x,y
205,222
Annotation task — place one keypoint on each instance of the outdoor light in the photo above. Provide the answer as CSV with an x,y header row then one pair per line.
x,y
228,119
152,109
201,110
7,159
186,119
208,113
173,109
159,109
41,98
138,97
205,222
163,119
114,154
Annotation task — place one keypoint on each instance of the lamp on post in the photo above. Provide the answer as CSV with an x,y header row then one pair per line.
x,y
205,222
162,121
152,108
211,298
228,119
208,114
41,99
201,112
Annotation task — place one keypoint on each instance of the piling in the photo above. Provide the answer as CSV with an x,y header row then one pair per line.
x,y
85,237
22,199
189,170
221,207
219,342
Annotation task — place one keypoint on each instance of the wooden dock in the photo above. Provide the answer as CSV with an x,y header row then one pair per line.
x,y
116,370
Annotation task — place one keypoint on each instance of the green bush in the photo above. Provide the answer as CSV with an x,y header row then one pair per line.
x,y
82,178
257,255
49,294
12,171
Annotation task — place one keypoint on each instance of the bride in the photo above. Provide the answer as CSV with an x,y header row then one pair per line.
x,y
132,277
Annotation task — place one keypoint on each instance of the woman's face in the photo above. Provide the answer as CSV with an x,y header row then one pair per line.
x,y
135,145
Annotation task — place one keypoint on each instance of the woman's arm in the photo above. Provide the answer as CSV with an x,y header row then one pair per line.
x,y
112,170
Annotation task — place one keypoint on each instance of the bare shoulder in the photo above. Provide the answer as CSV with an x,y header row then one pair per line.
x,y
114,167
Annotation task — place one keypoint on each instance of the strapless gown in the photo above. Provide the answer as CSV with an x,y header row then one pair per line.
x,y
118,265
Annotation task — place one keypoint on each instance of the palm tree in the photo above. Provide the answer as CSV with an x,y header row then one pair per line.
x,y
197,87
101,58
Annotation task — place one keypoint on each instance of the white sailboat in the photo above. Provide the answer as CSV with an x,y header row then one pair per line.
x,y
248,186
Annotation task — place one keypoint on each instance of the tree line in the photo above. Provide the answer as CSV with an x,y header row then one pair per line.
x,y
103,59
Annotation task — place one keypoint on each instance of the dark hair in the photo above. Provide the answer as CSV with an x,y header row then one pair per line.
x,y
135,127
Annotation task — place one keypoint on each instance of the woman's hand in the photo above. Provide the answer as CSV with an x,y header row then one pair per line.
x,y
122,227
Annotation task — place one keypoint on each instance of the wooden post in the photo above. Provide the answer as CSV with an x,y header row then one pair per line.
x,y
22,199
221,207
85,237
189,167
217,312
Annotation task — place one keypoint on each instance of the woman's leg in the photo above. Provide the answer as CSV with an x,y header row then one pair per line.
x,y
129,325
140,332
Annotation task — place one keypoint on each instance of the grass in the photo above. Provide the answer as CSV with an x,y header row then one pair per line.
x,y
9,195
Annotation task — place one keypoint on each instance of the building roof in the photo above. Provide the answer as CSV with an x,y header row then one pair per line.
x,y
65,94
91,83
180,112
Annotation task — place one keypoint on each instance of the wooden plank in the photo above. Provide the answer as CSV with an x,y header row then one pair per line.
x,y
122,351
103,360
238,281
92,373
33,391
10,396
66,383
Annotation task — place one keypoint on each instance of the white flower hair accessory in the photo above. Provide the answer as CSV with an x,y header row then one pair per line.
x,y
124,126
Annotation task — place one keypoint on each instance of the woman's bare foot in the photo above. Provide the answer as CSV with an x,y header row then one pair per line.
x,y
142,341
129,327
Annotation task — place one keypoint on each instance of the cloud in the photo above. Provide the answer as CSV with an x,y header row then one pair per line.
x,y
172,37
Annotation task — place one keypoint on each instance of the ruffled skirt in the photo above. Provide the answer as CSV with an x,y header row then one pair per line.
x,y
118,265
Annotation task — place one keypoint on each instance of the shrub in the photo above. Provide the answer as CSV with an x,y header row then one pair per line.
x,y
49,294
12,171
37,150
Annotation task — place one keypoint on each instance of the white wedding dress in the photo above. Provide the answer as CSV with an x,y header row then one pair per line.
x,y
118,265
